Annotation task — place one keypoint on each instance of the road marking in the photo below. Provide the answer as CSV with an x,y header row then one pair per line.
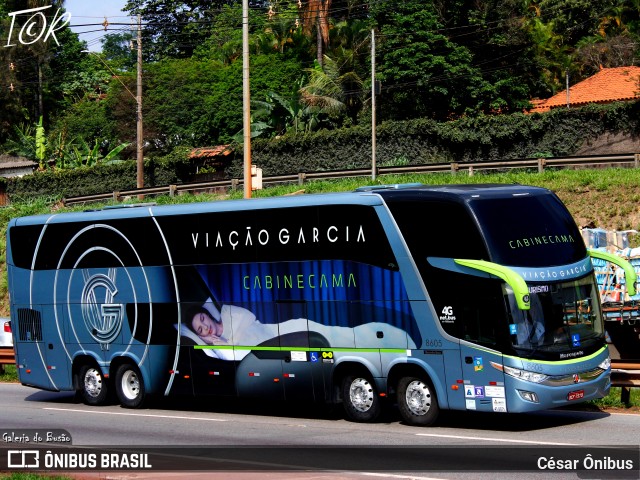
x,y
508,440
95,412
398,476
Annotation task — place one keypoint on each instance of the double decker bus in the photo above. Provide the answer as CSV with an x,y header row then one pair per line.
x,y
460,297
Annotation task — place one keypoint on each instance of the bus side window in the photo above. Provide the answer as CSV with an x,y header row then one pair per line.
x,y
470,313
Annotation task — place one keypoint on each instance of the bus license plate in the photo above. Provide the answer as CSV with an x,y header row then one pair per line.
x,y
576,395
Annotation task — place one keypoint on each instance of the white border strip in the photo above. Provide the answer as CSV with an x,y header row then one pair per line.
x,y
491,439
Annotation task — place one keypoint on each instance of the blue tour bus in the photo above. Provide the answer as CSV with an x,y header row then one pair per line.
x,y
462,297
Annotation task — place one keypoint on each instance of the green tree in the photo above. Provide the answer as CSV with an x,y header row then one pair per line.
x,y
423,73
117,51
196,102
492,30
41,144
225,39
89,119
333,92
281,30
615,41
31,84
284,114
175,28
575,19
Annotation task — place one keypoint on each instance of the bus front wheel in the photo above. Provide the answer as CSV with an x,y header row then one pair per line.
x,y
417,401
130,386
360,399
93,386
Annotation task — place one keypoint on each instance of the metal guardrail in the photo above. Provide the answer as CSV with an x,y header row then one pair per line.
x,y
7,356
625,374
627,160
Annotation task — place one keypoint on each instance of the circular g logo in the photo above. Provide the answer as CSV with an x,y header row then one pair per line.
x,y
101,315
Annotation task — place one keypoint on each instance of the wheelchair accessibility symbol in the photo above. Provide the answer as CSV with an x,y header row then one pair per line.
x,y
313,356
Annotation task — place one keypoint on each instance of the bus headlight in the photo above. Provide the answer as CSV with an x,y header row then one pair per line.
x,y
606,363
526,375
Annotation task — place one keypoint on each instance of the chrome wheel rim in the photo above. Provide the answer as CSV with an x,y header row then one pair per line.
x,y
418,397
93,382
361,394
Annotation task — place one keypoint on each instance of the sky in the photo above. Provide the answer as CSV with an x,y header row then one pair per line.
x,y
94,11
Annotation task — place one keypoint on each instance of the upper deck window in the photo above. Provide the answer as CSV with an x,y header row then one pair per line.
x,y
322,232
529,231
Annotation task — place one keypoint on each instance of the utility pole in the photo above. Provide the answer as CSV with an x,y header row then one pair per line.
x,y
568,94
373,104
246,98
139,137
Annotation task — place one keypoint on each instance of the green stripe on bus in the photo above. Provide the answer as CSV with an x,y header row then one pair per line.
x,y
545,362
562,362
299,349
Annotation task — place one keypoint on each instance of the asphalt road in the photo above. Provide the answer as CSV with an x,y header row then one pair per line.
x,y
299,438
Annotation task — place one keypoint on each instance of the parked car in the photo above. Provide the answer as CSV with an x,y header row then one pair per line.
x,y
6,344
6,340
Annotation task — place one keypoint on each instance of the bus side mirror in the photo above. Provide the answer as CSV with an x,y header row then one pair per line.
x,y
630,276
513,278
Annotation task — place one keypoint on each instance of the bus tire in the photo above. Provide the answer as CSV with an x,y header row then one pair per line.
x,y
417,401
130,386
92,385
360,398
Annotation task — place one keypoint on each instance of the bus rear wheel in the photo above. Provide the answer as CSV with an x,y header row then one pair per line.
x,y
417,401
130,386
360,398
93,387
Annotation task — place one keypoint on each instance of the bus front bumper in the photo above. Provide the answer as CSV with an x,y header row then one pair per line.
x,y
527,396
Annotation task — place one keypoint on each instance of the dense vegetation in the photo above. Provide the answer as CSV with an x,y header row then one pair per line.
x,y
310,69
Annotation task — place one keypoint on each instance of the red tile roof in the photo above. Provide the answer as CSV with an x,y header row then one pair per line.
x,y
211,152
606,86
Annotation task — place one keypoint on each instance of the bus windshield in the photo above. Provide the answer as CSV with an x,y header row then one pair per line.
x,y
529,231
563,316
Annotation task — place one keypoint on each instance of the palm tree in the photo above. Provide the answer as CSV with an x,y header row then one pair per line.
x,y
281,31
316,12
332,90
281,114
550,51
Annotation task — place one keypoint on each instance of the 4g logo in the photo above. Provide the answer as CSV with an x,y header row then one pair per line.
x,y
36,26
447,315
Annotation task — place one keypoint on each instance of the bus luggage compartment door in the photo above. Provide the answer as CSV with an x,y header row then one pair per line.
x,y
301,365
484,388
211,375
256,348
41,364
